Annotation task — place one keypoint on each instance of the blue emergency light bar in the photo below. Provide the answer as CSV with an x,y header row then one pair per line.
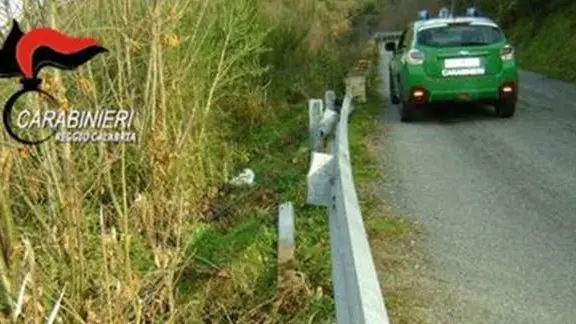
x,y
444,13
472,12
423,14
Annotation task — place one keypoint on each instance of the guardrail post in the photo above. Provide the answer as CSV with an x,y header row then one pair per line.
x,y
330,100
330,115
315,111
329,120
318,179
285,242
356,85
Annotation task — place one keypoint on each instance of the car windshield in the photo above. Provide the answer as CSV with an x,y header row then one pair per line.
x,y
460,35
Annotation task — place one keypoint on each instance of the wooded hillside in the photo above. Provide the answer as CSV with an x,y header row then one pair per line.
x,y
533,26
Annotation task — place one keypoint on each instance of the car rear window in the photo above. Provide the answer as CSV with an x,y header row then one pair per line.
x,y
460,35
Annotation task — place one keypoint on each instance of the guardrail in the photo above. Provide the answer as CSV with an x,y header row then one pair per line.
x,y
357,291
387,36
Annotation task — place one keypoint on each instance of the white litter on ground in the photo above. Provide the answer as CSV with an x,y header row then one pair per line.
x,y
245,178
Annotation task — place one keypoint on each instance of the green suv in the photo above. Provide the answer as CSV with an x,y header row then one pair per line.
x,y
448,59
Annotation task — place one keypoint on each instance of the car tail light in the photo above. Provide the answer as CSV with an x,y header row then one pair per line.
x,y
415,57
509,90
418,95
507,52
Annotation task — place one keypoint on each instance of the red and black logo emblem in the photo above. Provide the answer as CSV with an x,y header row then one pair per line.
x,y
25,54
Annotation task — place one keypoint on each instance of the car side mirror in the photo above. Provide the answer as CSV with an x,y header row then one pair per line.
x,y
390,47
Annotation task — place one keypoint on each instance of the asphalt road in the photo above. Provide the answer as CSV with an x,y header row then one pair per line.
x,y
497,198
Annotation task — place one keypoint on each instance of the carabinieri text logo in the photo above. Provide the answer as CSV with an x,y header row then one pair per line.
x,y
25,54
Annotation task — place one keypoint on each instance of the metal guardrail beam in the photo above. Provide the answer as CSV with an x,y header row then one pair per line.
x,y
388,36
357,290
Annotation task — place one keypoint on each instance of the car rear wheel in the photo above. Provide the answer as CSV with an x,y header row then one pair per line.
x,y
407,112
505,109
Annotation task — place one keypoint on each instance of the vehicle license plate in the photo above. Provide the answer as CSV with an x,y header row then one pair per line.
x,y
469,62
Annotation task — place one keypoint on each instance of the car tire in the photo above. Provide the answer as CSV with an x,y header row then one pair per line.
x,y
407,112
393,97
505,109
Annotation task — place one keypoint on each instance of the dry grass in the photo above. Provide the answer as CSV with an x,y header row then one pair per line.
x,y
147,232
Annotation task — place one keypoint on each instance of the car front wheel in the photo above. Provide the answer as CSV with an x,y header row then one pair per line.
x,y
505,109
